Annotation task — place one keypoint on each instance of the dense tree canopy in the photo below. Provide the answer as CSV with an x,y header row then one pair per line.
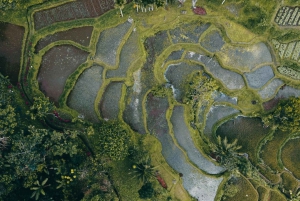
x,y
111,140
286,116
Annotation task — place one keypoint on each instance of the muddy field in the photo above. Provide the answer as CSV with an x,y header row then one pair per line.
x,y
11,37
81,35
71,11
57,64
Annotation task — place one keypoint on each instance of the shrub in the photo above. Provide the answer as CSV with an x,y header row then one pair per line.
x,y
146,191
111,140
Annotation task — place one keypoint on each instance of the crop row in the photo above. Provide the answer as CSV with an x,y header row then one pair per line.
x,y
288,50
289,72
288,16
73,10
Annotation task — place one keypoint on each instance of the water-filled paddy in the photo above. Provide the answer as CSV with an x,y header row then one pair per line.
x,y
57,64
200,186
129,54
109,105
109,42
259,77
11,37
213,41
246,58
177,74
229,79
84,93
215,114
184,139
81,35
188,33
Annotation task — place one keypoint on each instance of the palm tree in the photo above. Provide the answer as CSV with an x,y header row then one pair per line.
x,y
226,153
143,170
37,190
120,4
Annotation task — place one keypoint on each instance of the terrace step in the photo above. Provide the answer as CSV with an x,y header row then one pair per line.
x,y
199,185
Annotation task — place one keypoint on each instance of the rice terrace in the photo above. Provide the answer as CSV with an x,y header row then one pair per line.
x,y
105,100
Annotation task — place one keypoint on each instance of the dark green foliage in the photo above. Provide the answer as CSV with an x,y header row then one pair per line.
x,y
288,36
41,107
226,152
146,191
286,116
8,4
3,26
143,170
111,140
255,19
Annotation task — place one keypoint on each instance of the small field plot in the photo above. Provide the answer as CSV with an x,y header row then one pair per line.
x,y
269,90
215,114
177,74
263,193
245,191
184,139
84,93
81,35
259,77
109,104
245,58
129,54
175,55
276,196
270,150
213,41
57,64
11,37
248,131
200,186
72,10
188,33
109,42
290,156
284,93
133,113
289,183
229,79
155,45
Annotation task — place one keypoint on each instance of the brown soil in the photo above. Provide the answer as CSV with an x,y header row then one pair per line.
x,y
11,37
73,10
57,64
81,35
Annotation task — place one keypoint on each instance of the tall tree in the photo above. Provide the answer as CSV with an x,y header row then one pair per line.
x,y
286,116
120,4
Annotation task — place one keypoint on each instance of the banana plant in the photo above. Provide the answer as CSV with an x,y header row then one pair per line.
x,y
38,189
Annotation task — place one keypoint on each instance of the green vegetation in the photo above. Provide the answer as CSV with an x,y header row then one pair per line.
x,y
50,153
289,184
146,191
269,156
240,188
289,156
286,116
111,140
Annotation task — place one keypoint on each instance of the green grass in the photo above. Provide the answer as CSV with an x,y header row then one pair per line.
x,y
246,191
126,185
276,196
248,131
262,192
291,156
269,152
269,175
289,182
